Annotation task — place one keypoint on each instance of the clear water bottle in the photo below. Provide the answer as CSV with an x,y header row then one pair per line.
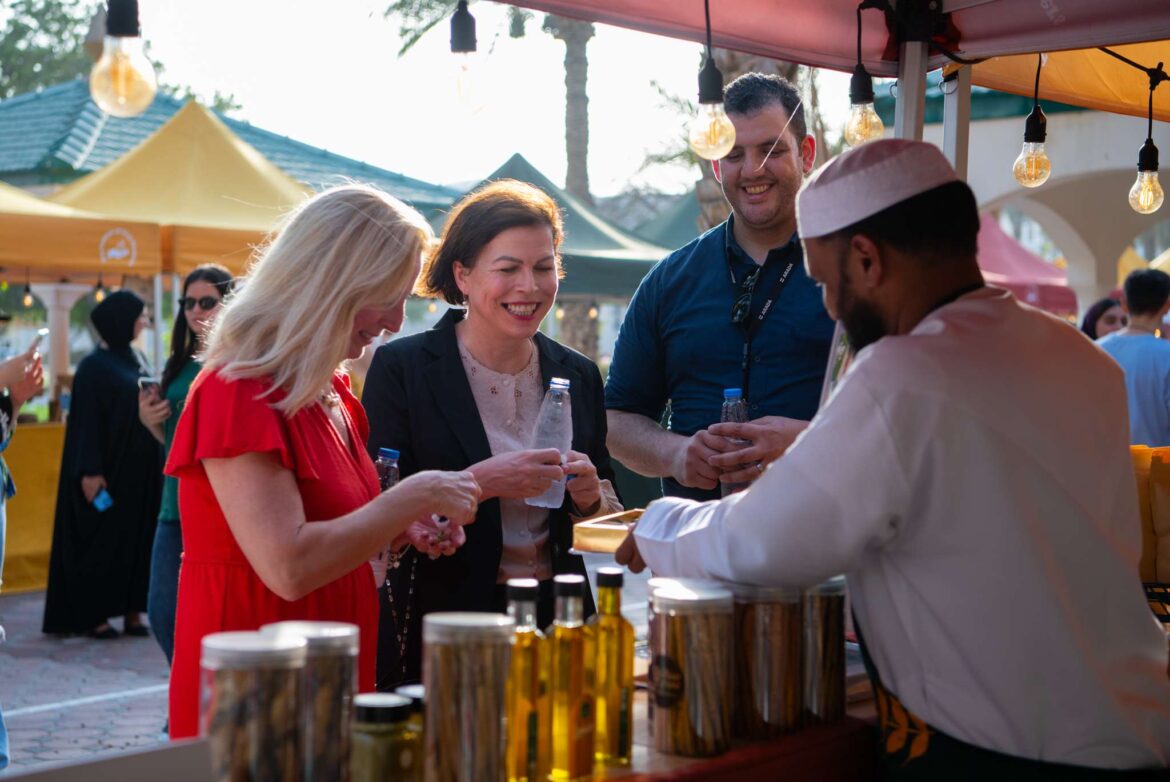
x,y
734,412
387,466
554,429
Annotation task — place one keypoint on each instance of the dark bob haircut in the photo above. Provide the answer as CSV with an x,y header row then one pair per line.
x,y
475,221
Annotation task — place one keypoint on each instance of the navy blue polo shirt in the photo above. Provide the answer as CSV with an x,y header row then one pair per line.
x,y
677,343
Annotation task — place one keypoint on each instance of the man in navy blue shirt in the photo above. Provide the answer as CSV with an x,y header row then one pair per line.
x,y
732,309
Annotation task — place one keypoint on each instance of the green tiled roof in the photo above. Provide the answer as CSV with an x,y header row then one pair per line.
x,y
59,134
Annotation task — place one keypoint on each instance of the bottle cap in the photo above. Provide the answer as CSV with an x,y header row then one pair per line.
x,y
523,589
381,707
569,586
417,694
610,577
558,382
730,392
387,453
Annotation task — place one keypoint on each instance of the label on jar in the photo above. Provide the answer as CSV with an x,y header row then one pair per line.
x,y
666,681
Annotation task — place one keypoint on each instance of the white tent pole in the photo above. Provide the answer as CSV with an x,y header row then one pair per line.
x,y
910,107
957,119
158,324
176,291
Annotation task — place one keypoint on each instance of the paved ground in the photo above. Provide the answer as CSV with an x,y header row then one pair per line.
x,y
72,698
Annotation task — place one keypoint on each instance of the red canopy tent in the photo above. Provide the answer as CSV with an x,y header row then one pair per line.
x,y
1006,264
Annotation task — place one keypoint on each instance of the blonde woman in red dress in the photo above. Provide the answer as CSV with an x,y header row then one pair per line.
x,y
280,501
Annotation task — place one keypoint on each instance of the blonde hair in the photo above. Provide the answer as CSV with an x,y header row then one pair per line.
x,y
291,318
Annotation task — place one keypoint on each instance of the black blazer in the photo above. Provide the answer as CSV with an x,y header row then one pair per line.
x,y
419,402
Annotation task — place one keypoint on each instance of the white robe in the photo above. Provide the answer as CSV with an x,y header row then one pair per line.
x,y
973,480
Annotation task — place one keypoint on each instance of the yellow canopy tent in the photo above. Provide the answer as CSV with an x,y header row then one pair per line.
x,y
215,196
1129,261
49,242
1084,77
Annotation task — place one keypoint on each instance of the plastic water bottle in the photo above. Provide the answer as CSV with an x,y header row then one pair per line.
x,y
387,466
554,429
734,412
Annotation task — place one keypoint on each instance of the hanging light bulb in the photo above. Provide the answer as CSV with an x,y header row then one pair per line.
x,y
123,82
99,291
1146,195
560,313
593,312
432,307
711,134
464,48
27,299
863,124
1032,168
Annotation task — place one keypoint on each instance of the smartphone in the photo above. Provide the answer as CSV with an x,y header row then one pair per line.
x,y
41,334
149,384
102,501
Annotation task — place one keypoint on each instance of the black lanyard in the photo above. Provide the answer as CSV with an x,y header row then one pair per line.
x,y
755,323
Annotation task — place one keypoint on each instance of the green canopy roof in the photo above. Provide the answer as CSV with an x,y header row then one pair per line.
x,y
985,103
59,134
676,225
600,259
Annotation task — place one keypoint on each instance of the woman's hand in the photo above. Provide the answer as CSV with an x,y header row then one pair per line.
x,y
30,384
453,495
519,474
584,488
434,537
91,485
152,411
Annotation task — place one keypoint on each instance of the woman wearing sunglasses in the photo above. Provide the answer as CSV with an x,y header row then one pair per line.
x,y
158,409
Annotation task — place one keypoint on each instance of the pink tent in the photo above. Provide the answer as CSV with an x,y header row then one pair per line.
x,y
823,32
1006,264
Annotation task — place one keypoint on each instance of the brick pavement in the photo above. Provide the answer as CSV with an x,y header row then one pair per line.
x,y
72,698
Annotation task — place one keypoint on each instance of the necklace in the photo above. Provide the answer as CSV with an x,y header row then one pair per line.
x,y
330,399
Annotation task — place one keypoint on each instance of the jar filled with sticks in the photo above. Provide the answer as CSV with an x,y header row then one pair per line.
x,y
330,682
250,706
691,678
466,657
769,649
824,651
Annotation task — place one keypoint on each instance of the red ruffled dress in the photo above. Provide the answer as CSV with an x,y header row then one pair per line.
x,y
218,589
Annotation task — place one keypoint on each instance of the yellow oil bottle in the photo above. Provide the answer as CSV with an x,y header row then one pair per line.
x,y
614,690
527,696
572,674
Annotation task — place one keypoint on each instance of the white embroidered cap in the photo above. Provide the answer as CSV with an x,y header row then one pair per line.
x,y
867,179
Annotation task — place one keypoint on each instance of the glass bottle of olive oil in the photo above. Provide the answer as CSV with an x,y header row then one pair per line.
x,y
528,728
614,693
572,667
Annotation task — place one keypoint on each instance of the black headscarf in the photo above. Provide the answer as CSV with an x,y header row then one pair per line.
x,y
114,318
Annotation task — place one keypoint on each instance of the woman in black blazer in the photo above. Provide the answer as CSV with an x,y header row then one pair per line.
x,y
464,395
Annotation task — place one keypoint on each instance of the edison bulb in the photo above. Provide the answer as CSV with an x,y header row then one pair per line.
x,y
1032,168
863,125
27,299
560,313
99,295
1146,195
123,82
593,313
711,134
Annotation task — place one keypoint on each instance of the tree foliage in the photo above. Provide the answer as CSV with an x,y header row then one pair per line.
x,y
42,44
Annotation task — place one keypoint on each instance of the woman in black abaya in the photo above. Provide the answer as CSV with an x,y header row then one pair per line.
x,y
100,565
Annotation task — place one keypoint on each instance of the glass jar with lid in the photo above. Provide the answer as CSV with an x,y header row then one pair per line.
x,y
250,705
769,648
824,651
384,748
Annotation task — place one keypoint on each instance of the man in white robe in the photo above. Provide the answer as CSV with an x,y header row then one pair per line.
x,y
971,477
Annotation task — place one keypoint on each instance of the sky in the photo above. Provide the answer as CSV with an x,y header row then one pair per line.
x,y
328,74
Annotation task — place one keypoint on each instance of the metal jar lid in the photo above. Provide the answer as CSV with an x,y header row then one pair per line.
x,y
417,693
251,650
751,593
458,626
833,586
381,707
691,597
325,639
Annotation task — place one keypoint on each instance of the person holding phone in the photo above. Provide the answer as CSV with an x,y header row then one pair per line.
x,y
109,489
23,378
159,406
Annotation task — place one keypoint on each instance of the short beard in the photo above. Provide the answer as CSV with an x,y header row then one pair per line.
x,y
861,320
